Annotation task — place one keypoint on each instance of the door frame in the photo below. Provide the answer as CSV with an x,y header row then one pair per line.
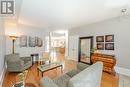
x,y
80,38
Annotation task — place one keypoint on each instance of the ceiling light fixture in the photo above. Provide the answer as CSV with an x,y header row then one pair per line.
x,y
123,10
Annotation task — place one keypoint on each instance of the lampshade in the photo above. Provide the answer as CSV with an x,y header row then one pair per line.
x,y
13,37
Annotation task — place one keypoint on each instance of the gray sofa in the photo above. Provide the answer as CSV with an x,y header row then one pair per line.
x,y
15,63
83,76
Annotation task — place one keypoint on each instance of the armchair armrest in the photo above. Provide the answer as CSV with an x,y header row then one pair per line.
x,y
46,82
26,58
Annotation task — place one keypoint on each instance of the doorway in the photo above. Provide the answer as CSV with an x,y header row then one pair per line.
x,y
85,46
58,44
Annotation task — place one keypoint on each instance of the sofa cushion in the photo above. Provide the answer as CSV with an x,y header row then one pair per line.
x,y
73,72
82,66
46,82
62,81
89,77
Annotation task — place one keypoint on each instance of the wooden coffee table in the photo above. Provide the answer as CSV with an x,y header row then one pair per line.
x,y
47,67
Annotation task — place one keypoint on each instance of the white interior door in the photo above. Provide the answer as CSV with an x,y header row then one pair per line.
x,y
73,47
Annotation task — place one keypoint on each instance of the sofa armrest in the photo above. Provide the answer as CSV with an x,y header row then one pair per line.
x,y
73,72
46,82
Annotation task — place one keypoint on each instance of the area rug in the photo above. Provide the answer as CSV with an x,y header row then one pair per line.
x,y
124,81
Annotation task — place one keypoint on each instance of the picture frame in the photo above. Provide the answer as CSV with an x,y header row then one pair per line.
x,y
109,46
100,46
38,42
100,39
109,38
31,41
23,41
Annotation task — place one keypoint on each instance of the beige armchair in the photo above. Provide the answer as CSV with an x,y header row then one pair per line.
x,y
15,63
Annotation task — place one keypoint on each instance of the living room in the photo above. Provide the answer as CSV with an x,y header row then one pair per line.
x,y
51,35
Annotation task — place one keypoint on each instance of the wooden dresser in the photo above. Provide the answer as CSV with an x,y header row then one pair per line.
x,y
109,62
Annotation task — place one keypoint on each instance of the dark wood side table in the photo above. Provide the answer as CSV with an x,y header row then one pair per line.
x,y
35,57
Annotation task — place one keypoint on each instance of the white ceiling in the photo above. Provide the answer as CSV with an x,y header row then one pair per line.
x,y
64,14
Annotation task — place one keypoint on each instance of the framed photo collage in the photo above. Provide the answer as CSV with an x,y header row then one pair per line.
x,y
105,42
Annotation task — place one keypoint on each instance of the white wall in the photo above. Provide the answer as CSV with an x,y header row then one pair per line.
x,y
23,30
73,43
120,27
2,48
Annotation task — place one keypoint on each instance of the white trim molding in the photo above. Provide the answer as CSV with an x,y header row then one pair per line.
x,y
2,76
122,71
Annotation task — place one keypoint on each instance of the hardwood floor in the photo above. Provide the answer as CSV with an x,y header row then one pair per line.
x,y
32,76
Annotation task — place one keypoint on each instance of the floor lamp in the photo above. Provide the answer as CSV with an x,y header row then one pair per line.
x,y
13,40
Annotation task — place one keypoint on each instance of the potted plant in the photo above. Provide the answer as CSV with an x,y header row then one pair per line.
x,y
94,50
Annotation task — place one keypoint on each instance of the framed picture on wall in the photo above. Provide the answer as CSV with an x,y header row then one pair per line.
x,y
38,42
109,46
109,38
32,41
100,39
100,46
23,41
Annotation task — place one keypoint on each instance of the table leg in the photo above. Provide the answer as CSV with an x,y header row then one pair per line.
x,y
56,70
42,74
61,69
37,72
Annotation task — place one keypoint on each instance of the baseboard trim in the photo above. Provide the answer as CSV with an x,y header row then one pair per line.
x,y
72,59
122,71
2,76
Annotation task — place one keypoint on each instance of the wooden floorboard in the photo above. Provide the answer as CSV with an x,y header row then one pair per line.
x,y
32,76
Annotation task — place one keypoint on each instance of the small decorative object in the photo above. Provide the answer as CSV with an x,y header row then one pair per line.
x,y
23,41
109,38
13,40
100,46
31,41
109,46
100,38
